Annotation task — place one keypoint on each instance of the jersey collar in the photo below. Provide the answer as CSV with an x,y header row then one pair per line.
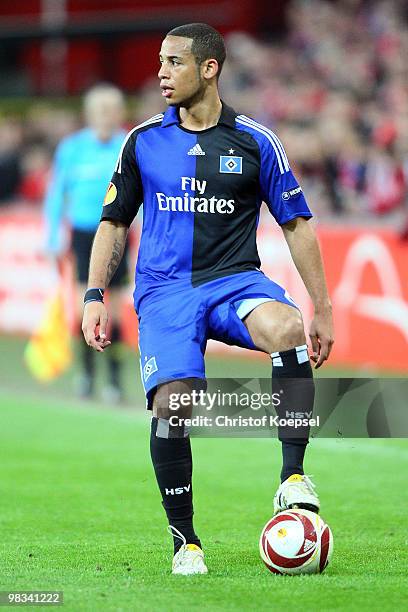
x,y
227,117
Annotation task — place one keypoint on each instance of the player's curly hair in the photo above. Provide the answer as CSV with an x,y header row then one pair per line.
x,y
207,42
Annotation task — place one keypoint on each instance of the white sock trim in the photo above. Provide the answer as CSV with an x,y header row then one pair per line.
x,y
301,354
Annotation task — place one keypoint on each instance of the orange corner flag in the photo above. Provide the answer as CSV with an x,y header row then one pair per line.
x,y
48,353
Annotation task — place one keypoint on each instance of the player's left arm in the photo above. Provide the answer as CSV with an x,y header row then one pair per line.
x,y
285,200
304,249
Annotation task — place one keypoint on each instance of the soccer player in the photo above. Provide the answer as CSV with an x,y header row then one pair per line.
x,y
202,172
82,167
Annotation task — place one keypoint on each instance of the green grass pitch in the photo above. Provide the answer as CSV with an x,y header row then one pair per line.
x,y
80,512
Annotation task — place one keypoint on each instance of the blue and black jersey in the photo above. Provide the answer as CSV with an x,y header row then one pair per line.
x,y
201,194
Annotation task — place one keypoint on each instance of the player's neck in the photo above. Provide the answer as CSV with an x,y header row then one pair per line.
x,y
202,114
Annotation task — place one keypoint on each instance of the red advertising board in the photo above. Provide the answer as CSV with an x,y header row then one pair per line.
x,y
366,273
368,281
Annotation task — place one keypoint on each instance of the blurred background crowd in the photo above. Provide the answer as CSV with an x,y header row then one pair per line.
x,y
331,79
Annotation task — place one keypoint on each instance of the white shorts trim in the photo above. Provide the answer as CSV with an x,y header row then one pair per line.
x,y
250,304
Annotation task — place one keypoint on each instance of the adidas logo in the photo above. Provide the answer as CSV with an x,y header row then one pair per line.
x,y
196,150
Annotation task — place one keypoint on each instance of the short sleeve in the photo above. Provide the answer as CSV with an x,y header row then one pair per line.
x,y
279,187
124,195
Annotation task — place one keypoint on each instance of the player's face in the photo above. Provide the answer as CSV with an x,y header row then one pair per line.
x,y
180,77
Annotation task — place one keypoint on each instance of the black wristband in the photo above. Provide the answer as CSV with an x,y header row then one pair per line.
x,y
93,295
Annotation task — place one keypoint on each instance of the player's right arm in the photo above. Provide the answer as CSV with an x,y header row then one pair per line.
x,y
107,252
122,202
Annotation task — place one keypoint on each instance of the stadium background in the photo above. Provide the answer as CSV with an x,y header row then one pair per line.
x,y
331,79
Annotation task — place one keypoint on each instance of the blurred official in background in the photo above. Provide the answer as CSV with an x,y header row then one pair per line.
x,y
82,166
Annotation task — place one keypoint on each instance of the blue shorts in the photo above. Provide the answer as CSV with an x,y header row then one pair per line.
x,y
176,320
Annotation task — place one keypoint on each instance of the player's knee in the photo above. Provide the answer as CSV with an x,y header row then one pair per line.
x,y
173,399
285,333
293,332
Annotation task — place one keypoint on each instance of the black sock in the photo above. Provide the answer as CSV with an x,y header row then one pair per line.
x,y
88,359
292,374
173,465
114,360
